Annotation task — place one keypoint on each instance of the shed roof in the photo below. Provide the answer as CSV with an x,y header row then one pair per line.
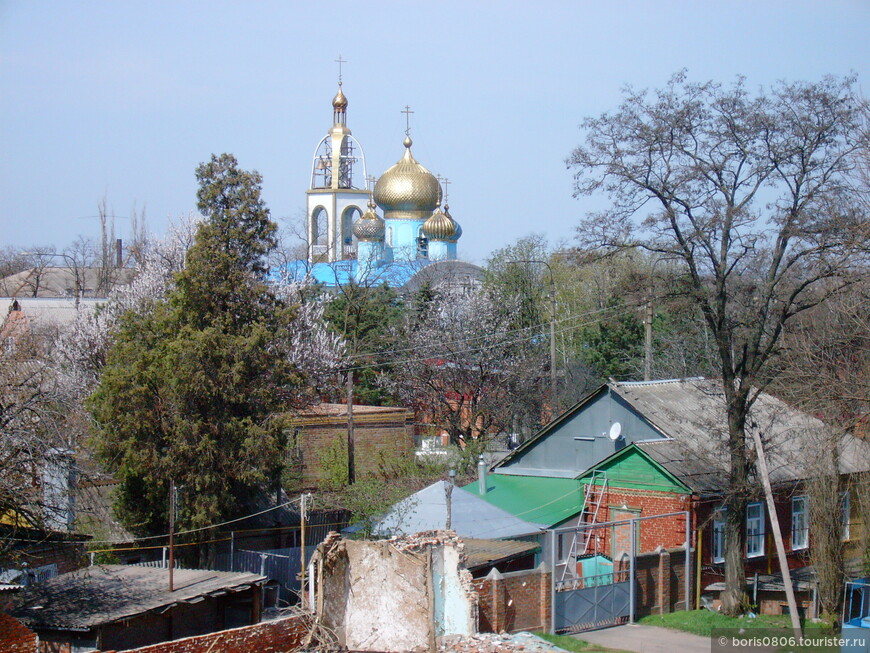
x,y
97,595
482,553
471,516
539,499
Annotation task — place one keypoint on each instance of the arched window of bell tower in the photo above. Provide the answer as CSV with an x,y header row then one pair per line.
x,y
319,227
348,242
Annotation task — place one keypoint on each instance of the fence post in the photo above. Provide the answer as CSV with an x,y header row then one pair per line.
x,y
553,582
632,570
687,604
262,564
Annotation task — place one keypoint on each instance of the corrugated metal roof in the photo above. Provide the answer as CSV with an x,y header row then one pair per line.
x,y
92,596
691,413
471,516
490,552
539,499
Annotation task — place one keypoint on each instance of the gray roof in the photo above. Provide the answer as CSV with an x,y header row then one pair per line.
x,y
690,413
483,553
471,516
98,595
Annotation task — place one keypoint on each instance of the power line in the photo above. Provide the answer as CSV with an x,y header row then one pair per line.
x,y
196,530
501,343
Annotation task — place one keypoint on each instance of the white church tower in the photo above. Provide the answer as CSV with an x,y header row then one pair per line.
x,y
337,196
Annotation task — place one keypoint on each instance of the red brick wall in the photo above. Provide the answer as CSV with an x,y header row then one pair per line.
x,y
514,601
15,637
661,585
279,636
765,564
668,532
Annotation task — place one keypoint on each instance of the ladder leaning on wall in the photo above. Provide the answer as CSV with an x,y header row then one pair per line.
x,y
593,496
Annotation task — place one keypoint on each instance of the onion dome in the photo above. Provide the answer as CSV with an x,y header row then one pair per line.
x,y
439,226
339,101
369,226
407,190
457,231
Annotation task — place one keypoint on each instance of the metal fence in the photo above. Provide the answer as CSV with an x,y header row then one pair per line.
x,y
281,565
592,588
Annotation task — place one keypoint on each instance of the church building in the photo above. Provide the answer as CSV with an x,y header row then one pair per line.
x,y
348,241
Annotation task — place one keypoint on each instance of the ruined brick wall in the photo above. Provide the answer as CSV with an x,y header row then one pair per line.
x,y
279,636
514,601
15,637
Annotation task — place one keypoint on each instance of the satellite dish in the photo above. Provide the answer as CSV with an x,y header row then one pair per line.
x,y
615,431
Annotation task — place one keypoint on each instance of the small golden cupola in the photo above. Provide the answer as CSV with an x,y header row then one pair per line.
x,y
369,226
440,226
457,230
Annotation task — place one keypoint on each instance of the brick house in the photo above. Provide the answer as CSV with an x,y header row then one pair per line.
x,y
381,434
634,450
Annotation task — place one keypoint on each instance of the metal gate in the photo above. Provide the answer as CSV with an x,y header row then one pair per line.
x,y
594,573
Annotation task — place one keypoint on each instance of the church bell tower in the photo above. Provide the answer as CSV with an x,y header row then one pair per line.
x,y
337,196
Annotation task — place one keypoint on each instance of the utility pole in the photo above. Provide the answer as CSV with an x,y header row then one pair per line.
x,y
553,376
647,339
777,534
171,534
351,468
552,336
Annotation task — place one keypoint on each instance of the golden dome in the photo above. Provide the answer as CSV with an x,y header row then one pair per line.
x,y
457,232
439,227
369,226
339,102
407,190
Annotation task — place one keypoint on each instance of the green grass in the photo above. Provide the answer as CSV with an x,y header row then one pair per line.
x,y
702,622
572,644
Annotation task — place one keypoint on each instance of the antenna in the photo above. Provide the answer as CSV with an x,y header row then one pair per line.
x,y
615,431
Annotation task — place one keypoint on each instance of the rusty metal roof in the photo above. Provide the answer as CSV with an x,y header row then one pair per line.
x,y
89,597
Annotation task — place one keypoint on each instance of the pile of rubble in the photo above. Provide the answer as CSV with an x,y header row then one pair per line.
x,y
492,643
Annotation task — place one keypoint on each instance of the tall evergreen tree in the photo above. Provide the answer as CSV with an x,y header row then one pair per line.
x,y
189,388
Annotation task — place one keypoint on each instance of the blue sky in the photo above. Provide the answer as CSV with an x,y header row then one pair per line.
x,y
123,99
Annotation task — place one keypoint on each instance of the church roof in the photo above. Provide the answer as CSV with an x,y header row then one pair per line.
x,y
407,189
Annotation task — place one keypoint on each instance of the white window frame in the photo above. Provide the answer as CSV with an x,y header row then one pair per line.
x,y
800,528
717,548
751,534
845,514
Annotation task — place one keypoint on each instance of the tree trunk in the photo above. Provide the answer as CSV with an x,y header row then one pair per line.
x,y
734,598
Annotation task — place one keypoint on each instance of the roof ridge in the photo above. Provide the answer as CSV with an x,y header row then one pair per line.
x,y
660,381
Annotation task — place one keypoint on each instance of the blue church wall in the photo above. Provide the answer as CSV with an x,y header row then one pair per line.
x,y
557,452
404,245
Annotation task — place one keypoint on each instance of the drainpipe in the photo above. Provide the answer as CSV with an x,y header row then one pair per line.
x,y
481,475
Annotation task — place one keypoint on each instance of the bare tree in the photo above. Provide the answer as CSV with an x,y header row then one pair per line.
x,y
752,194
465,366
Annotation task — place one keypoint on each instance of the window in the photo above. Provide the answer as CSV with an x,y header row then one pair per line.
x,y
754,530
845,515
799,526
389,236
718,549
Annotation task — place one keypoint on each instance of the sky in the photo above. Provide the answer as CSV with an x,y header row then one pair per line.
x,y
122,100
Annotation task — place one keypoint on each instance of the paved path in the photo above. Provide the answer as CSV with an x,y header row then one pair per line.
x,y
647,639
